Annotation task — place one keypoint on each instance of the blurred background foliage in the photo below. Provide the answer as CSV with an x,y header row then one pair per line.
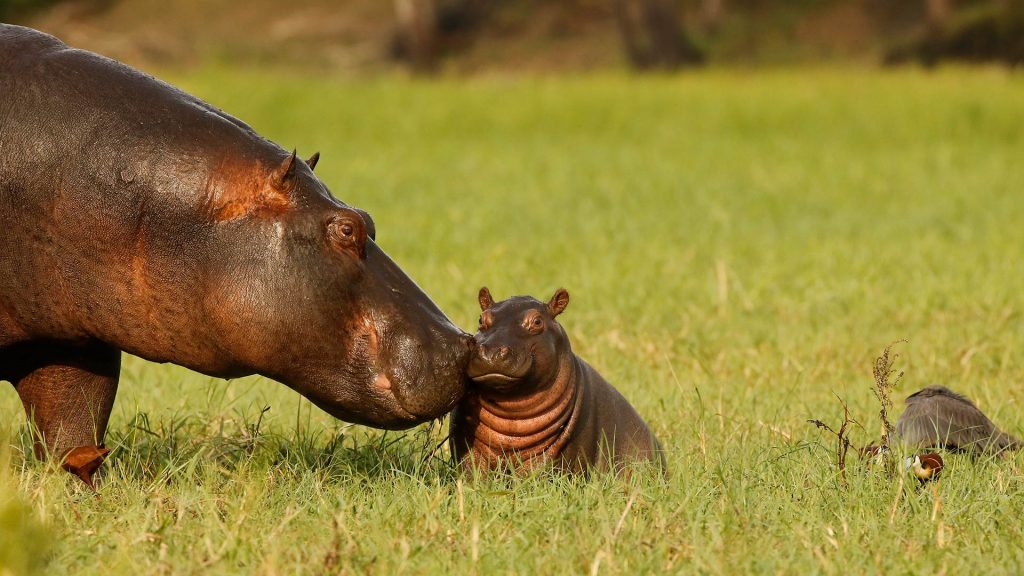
x,y
24,540
739,246
547,36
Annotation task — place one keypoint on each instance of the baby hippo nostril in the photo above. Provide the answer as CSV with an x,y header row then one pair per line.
x,y
503,353
490,354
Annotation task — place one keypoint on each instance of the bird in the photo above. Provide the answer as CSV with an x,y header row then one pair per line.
x,y
926,467
83,462
937,417
875,454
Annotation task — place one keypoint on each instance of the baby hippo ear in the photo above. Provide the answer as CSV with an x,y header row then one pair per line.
x,y
485,298
558,302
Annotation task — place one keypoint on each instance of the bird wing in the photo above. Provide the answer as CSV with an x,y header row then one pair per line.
x,y
939,417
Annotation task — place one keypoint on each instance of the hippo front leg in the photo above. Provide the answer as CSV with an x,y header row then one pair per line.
x,y
68,392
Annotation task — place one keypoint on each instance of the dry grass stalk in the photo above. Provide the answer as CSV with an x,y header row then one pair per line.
x,y
884,384
843,443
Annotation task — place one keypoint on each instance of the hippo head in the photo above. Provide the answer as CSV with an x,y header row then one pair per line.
x,y
325,311
519,343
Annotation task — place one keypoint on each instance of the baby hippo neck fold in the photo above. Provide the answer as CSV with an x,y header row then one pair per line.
x,y
531,424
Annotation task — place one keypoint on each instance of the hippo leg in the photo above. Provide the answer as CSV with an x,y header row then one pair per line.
x,y
68,392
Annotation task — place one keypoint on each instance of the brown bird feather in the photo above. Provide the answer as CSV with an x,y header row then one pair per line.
x,y
938,417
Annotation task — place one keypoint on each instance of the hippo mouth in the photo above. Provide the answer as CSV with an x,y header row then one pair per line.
x,y
495,379
406,409
388,414
498,374
491,378
408,378
383,407
382,385
386,387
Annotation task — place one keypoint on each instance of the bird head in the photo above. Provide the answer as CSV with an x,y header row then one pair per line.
x,y
925,467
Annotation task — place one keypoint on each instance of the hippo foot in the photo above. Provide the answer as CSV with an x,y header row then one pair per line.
x,y
84,461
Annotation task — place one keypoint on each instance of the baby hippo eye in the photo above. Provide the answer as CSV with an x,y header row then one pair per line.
x,y
535,324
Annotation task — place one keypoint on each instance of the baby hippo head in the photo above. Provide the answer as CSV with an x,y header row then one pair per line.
x,y
519,343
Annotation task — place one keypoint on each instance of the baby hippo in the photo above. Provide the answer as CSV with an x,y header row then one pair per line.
x,y
535,402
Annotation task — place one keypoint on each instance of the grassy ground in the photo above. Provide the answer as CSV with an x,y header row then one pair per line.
x,y
738,248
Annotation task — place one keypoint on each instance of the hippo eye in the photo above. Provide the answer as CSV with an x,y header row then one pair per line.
x,y
535,325
345,233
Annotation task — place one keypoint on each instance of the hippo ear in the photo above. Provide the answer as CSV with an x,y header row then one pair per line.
x,y
485,298
284,173
558,302
313,160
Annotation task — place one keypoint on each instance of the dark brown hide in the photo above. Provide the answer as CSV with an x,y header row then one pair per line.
x,y
138,218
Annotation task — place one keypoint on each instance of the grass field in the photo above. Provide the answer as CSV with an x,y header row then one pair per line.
x,y
738,246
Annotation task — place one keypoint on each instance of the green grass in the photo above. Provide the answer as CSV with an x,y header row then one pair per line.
x,y
738,246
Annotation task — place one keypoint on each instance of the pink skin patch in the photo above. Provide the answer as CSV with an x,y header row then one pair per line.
x,y
381,382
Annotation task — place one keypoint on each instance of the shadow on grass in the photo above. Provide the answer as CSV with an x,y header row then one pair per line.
x,y
195,448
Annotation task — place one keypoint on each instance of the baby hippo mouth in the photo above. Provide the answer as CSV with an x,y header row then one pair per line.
x,y
494,378
502,377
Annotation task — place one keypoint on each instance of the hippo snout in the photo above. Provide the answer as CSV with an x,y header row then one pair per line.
x,y
494,354
429,380
496,365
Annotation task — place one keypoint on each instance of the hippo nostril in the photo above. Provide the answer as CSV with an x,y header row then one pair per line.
x,y
488,354
503,352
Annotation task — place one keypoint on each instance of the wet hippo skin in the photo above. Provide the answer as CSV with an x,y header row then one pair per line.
x,y
138,218
534,402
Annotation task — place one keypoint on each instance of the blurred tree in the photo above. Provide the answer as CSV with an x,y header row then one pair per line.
x,y
653,34
417,33
427,29
938,13
968,31
14,7
711,14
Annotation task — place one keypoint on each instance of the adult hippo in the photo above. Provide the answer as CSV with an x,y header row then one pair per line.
x,y
135,217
